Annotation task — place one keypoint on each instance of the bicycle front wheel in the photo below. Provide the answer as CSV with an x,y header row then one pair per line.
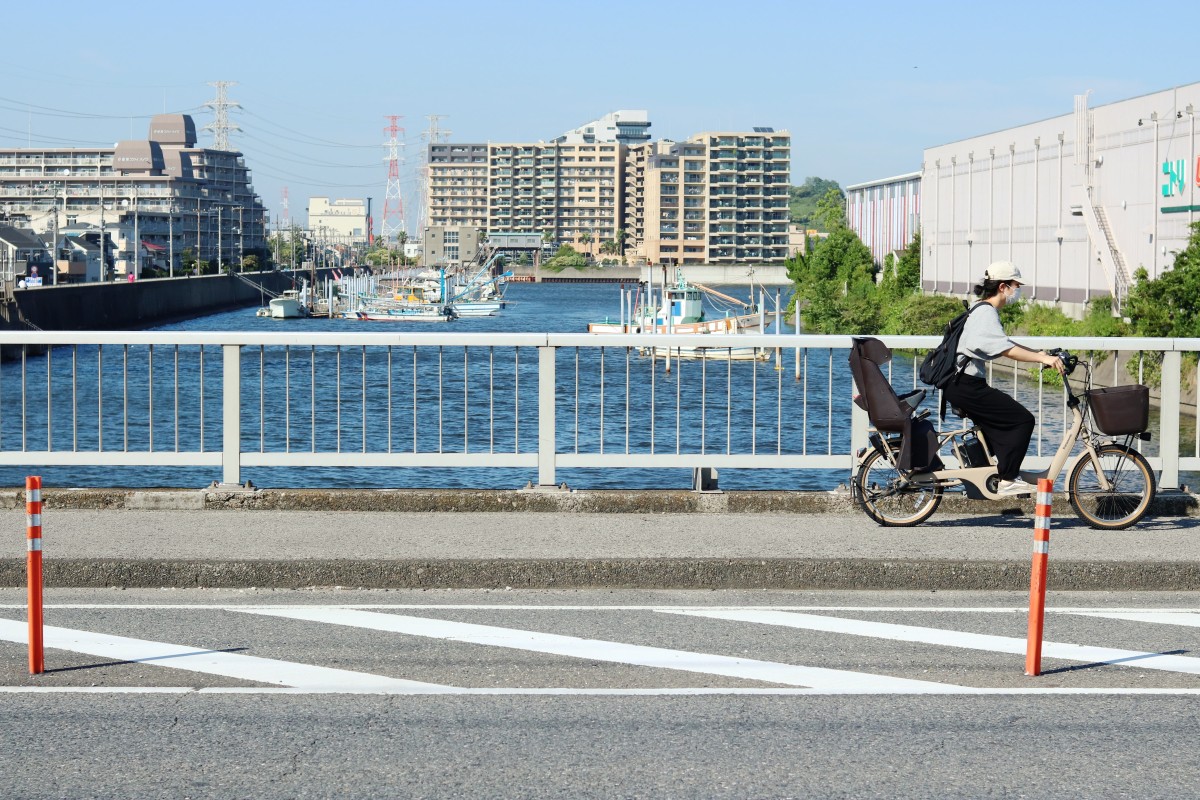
x,y
1131,481
888,498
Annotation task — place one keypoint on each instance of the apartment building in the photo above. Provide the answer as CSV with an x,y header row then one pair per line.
x,y
165,191
457,185
716,198
570,193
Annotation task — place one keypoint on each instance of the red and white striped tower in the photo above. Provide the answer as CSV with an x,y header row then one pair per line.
x,y
1037,576
393,205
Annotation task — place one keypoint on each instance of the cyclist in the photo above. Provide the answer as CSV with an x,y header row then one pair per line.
x,y
1006,424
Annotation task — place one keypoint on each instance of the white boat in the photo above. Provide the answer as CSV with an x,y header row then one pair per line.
x,y
681,311
401,313
402,306
287,306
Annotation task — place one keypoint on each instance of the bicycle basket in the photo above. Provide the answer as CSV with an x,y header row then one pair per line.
x,y
1120,410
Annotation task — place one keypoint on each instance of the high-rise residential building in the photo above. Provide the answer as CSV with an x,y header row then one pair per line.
x,y
570,193
457,185
623,127
716,198
164,194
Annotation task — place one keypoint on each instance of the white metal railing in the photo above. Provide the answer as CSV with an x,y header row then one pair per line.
x,y
543,403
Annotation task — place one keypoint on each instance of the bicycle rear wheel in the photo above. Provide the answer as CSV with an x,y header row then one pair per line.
x,y
882,492
1132,482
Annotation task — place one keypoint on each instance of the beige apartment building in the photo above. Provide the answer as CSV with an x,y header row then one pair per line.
x,y
569,192
716,198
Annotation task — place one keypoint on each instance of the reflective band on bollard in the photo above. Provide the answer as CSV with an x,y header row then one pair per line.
x,y
33,571
1037,577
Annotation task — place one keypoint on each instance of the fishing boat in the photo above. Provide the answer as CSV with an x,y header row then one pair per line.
x,y
288,305
679,309
413,303
401,312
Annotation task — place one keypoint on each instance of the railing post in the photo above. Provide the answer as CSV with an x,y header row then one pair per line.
x,y
231,415
859,428
1168,446
547,381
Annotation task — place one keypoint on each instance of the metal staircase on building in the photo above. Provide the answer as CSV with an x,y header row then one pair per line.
x,y
1107,252
1123,279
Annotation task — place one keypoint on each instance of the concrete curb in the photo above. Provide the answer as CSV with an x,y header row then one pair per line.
x,y
1174,504
632,573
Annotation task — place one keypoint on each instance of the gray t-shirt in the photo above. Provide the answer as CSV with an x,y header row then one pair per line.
x,y
982,339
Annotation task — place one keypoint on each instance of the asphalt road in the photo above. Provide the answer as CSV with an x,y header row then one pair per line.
x,y
599,693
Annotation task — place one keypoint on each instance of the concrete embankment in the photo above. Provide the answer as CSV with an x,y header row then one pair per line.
x,y
292,539
123,306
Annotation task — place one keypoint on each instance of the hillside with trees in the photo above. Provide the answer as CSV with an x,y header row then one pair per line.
x,y
803,199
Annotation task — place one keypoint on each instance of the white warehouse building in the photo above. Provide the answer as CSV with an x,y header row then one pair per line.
x,y
1078,202
885,214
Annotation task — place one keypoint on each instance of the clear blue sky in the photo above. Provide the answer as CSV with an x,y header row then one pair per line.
x,y
863,87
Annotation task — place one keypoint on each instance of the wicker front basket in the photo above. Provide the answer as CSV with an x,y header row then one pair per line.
x,y
1120,410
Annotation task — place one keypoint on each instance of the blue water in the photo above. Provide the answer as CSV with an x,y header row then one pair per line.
x,y
135,402
434,409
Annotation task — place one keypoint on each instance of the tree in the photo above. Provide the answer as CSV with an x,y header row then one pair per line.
x,y
802,200
620,240
566,256
1166,306
831,210
835,286
902,276
585,239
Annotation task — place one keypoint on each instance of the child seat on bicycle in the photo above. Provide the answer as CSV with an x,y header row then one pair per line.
x,y
892,413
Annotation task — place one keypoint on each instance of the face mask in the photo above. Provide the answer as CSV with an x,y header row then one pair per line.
x,y
1016,295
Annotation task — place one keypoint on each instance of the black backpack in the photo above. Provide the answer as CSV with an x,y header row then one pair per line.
x,y
942,364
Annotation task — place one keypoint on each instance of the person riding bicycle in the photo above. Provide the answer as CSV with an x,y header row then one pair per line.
x,y
1006,424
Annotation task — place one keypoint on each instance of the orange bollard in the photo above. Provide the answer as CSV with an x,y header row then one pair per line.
x,y
1037,577
33,569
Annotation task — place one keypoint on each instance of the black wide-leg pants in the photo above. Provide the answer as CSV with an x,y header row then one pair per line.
x,y
1006,424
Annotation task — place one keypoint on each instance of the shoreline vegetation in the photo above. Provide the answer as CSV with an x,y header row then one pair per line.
x,y
838,291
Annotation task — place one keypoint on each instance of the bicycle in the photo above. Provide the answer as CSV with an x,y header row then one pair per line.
x,y
1110,484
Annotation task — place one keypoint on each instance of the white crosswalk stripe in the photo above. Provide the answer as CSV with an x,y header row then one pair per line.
x,y
596,650
229,665
1190,619
950,638
763,677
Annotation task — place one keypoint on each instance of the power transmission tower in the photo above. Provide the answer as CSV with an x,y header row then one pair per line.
x,y
431,136
221,127
286,216
393,205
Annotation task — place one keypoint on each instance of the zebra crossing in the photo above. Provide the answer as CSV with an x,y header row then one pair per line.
x,y
415,649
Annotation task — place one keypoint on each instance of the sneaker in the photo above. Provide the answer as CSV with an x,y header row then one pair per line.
x,y
1015,488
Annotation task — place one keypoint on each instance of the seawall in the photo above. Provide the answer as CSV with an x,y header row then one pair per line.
x,y
128,306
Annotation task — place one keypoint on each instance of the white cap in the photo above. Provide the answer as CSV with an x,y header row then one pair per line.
x,y
1002,271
